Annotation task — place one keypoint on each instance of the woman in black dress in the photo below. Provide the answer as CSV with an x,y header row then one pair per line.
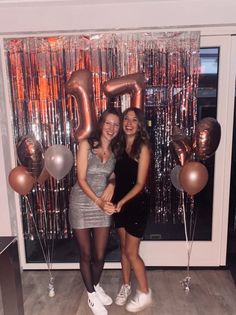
x,y
131,172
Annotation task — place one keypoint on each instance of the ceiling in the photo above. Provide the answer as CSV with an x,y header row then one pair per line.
x,y
78,2
86,2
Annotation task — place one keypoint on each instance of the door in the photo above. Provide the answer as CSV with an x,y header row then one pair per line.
x,y
165,244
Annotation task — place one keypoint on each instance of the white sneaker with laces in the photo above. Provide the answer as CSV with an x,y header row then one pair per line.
x,y
103,297
140,302
123,294
96,305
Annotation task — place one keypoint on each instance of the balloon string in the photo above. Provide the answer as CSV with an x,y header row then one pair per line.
x,y
189,245
41,195
192,232
54,220
47,238
37,232
41,198
51,290
189,248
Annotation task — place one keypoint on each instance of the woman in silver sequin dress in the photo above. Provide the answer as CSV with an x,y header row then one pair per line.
x,y
90,207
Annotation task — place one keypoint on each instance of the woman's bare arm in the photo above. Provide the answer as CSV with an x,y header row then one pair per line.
x,y
109,190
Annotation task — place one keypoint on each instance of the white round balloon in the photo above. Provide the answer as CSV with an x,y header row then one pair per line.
x,y
174,176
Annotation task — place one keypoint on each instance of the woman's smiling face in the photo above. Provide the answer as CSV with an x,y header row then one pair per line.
x,y
111,126
130,123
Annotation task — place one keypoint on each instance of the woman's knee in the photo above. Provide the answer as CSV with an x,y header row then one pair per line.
x,y
98,259
122,249
85,257
131,254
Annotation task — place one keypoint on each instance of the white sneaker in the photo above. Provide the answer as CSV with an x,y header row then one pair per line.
x,y
140,302
123,294
101,294
96,305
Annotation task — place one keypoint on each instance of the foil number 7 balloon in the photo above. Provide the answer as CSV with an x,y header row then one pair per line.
x,y
80,86
132,84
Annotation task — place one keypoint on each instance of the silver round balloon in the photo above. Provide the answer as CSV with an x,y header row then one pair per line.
x,y
174,176
58,161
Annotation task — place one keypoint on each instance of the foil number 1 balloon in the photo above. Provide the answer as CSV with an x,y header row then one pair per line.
x,y
80,85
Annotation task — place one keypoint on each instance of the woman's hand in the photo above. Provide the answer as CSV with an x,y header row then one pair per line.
x,y
108,192
107,207
119,205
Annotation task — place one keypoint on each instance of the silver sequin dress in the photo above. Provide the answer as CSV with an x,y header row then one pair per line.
x,y
83,212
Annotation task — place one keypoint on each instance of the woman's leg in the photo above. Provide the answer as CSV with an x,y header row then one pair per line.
x,y
132,252
84,240
100,238
83,237
125,264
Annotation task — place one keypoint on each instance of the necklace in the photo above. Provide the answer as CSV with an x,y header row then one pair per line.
x,y
105,152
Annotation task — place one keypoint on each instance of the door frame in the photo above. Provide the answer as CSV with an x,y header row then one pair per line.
x,y
174,253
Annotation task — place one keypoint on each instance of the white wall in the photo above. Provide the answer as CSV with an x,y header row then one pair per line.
x,y
43,16
7,197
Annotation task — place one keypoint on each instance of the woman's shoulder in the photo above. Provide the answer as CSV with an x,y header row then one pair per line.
x,y
145,147
84,145
145,150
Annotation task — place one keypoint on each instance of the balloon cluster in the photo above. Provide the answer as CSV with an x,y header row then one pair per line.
x,y
36,166
191,175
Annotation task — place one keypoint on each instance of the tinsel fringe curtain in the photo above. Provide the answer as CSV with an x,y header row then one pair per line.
x,y
40,66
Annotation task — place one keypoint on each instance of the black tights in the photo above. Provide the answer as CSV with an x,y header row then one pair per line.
x,y
92,245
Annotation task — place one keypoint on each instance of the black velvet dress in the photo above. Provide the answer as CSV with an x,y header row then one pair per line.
x,y
134,214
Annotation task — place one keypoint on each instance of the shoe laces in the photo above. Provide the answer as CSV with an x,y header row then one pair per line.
x,y
124,290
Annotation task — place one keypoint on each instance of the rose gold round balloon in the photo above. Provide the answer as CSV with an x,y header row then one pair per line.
x,y
193,177
21,180
206,138
132,84
80,86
